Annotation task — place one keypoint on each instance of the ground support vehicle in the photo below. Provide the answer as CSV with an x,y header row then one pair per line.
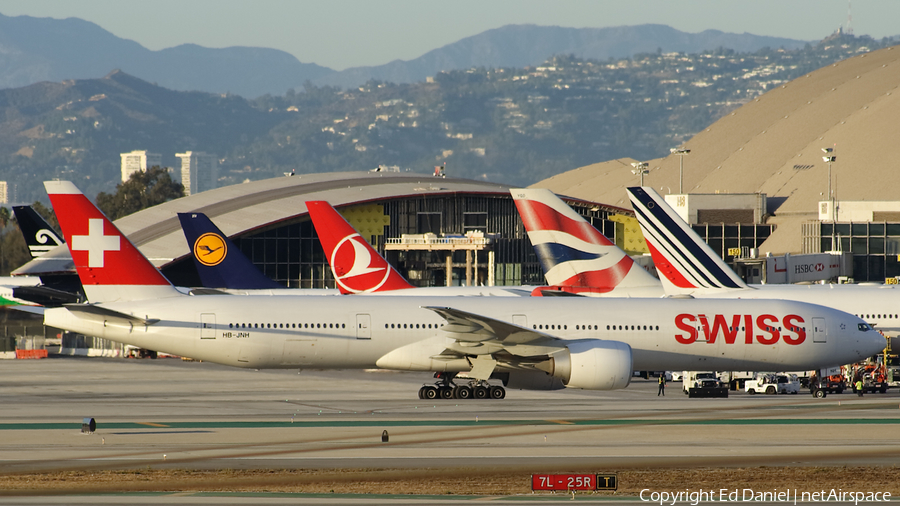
x,y
772,384
703,384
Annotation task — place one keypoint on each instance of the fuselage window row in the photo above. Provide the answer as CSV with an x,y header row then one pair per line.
x,y
287,325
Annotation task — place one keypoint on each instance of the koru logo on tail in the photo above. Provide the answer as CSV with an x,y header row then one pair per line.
x,y
46,240
210,249
365,274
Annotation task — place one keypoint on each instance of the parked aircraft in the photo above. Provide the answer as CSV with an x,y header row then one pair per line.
x,y
687,265
582,342
575,256
358,268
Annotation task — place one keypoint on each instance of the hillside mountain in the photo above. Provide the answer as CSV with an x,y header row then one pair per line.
x,y
524,45
515,125
45,49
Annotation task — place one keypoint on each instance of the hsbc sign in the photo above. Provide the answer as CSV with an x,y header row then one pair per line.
x,y
807,267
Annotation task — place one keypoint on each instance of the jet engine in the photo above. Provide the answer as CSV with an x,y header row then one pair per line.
x,y
592,364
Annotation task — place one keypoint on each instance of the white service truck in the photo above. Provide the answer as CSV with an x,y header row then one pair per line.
x,y
772,384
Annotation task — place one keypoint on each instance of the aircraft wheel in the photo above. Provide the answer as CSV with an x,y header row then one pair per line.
x,y
463,392
498,392
446,393
430,393
422,392
481,393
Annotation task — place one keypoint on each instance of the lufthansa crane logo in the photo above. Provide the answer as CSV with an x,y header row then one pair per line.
x,y
210,249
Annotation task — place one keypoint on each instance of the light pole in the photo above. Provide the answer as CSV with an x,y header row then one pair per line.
x,y
830,158
640,168
680,152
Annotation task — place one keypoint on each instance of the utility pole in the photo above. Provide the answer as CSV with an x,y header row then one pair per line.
x,y
680,152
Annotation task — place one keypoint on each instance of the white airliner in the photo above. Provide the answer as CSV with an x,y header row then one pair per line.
x,y
687,265
582,342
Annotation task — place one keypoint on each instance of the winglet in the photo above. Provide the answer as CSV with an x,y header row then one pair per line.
x,y
219,262
110,267
571,251
356,265
684,261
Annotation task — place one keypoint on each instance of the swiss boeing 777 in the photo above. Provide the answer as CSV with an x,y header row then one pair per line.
x,y
582,342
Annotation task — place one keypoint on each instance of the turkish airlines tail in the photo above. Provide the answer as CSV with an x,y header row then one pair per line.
x,y
39,235
573,254
685,262
111,268
219,262
357,266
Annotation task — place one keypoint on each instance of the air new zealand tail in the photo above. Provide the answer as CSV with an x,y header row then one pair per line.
x,y
219,262
39,235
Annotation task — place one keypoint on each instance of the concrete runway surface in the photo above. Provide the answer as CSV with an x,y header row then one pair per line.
x,y
190,415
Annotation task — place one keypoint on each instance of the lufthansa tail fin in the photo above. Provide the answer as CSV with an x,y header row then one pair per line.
x,y
571,251
110,267
219,262
357,266
684,261
39,235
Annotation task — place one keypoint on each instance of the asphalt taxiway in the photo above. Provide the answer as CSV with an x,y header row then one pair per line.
x,y
190,415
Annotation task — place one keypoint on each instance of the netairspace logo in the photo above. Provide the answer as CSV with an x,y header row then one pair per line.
x,y
788,496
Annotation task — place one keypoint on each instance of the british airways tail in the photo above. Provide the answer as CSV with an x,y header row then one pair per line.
x,y
572,252
684,261
357,266
39,235
219,262
110,267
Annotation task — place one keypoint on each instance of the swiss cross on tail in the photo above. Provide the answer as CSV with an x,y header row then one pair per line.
x,y
571,251
357,267
102,255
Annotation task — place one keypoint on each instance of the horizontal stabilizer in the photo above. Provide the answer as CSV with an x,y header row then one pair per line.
x,y
100,313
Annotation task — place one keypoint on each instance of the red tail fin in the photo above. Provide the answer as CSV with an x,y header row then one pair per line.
x,y
357,267
109,265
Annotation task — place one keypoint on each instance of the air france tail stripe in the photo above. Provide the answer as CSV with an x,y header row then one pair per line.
x,y
673,254
677,238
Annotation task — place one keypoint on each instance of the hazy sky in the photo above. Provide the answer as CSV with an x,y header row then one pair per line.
x,y
348,33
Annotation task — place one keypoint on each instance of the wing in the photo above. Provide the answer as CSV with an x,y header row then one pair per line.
x,y
466,327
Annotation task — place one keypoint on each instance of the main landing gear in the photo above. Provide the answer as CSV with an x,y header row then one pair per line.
x,y
444,388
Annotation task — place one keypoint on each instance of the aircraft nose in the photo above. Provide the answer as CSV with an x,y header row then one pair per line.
x,y
872,342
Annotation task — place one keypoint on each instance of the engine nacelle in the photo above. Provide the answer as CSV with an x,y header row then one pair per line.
x,y
593,364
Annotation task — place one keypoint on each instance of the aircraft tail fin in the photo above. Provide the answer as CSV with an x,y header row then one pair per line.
x,y
110,267
571,251
219,262
39,235
357,266
684,261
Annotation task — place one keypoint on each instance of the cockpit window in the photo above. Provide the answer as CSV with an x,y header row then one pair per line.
x,y
863,327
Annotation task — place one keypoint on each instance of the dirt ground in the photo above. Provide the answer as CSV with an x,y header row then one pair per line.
x,y
446,481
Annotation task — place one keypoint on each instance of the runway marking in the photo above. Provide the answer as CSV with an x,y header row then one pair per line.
x,y
447,423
